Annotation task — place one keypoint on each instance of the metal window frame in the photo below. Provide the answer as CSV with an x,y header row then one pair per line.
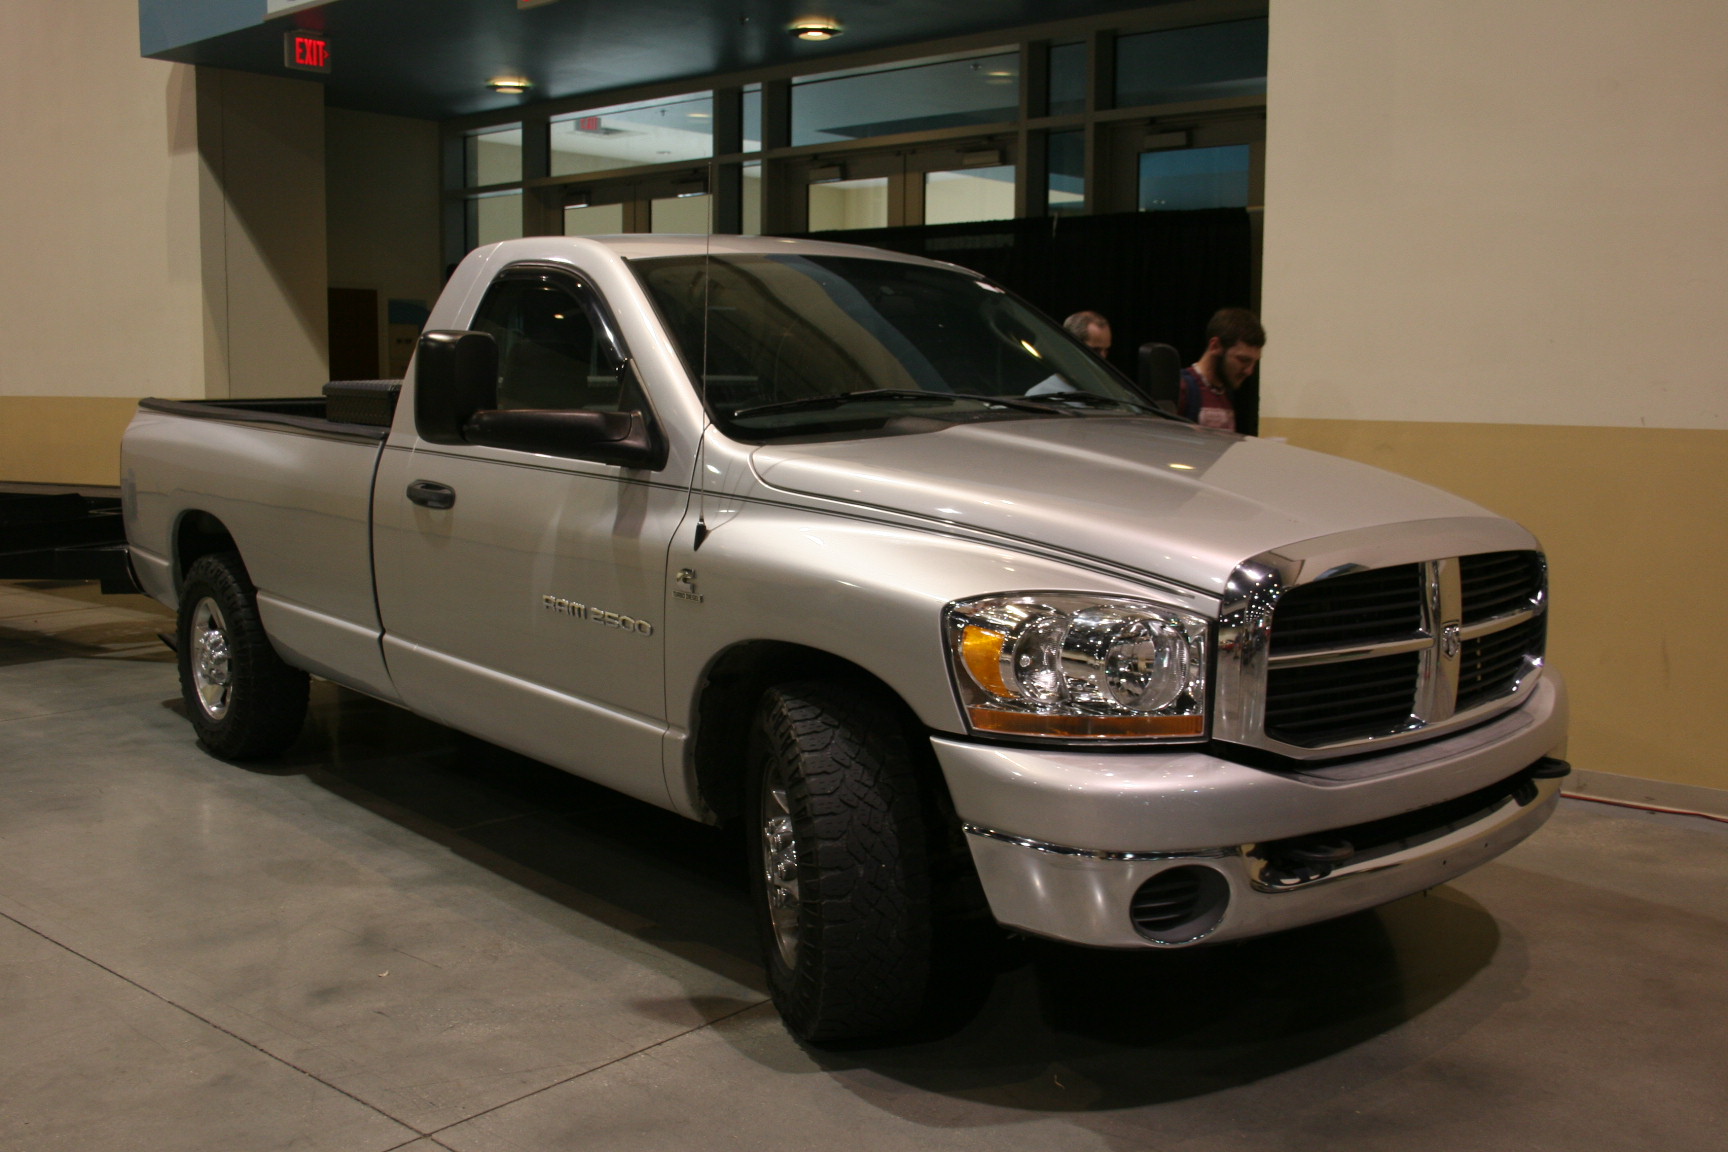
x,y
544,194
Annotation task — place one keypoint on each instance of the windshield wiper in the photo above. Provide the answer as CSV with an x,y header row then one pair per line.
x,y
806,403
1094,400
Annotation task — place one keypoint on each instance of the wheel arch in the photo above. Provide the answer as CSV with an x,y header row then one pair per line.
x,y
197,534
731,689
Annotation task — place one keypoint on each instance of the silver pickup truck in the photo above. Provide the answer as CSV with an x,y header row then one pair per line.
x,y
864,554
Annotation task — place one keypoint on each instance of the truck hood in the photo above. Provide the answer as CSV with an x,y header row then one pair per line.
x,y
1169,499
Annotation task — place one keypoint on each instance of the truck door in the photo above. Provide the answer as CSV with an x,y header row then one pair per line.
x,y
521,593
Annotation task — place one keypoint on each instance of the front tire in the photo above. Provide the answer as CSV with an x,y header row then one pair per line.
x,y
243,701
840,845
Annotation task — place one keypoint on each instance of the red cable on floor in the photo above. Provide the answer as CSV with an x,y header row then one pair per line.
x,y
1645,807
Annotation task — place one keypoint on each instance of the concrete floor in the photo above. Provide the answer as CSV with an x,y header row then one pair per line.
x,y
400,937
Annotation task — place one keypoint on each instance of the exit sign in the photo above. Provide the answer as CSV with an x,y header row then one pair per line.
x,y
307,51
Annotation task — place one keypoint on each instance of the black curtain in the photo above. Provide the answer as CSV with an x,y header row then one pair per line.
x,y
1157,276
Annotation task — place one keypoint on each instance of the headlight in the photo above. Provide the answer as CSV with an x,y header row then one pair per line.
x,y
1068,666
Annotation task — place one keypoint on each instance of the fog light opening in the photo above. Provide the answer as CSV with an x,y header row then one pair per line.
x,y
1180,905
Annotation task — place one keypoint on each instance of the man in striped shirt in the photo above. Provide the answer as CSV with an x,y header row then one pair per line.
x,y
1234,339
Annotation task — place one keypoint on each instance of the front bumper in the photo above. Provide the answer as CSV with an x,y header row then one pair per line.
x,y
1066,841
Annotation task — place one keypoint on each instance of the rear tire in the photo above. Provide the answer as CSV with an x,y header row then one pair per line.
x,y
243,701
840,842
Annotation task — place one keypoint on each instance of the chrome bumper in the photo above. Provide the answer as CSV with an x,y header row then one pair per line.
x,y
1063,841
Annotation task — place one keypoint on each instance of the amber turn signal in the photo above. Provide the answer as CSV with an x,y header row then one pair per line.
x,y
981,652
1084,727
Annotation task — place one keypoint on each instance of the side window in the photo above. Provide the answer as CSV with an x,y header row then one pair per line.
x,y
549,354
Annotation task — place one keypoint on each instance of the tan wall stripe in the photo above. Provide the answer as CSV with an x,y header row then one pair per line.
x,y
1633,523
63,439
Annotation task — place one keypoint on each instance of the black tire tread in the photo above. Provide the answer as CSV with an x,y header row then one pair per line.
x,y
864,966
267,708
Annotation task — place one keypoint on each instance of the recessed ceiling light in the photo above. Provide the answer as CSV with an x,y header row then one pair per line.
x,y
509,85
815,28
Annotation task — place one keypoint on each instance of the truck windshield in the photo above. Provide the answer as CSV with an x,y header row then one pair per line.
x,y
800,345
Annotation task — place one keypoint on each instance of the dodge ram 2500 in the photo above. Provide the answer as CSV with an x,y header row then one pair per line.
x,y
864,554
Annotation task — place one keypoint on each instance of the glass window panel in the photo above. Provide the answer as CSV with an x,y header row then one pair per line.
x,y
549,354
494,218
1067,79
494,157
1194,178
753,118
1067,163
972,194
546,346
1204,63
633,135
982,90
594,220
682,215
772,328
849,204
753,199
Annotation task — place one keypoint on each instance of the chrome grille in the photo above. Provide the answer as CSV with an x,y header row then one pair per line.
x,y
1498,583
1320,703
1382,651
1359,608
1490,665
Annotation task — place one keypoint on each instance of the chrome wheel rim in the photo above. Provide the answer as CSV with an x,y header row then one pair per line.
x,y
780,863
212,664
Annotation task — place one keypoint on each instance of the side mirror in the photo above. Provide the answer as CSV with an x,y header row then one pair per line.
x,y
622,438
1161,375
455,376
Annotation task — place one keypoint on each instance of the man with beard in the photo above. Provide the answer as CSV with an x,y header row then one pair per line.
x,y
1234,339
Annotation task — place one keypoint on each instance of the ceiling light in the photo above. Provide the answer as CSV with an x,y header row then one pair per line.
x,y
509,85
815,28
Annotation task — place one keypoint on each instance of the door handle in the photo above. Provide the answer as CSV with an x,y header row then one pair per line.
x,y
429,495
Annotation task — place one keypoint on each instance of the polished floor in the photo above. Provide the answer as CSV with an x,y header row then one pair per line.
x,y
402,938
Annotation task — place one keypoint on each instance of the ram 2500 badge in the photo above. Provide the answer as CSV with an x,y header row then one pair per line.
x,y
862,553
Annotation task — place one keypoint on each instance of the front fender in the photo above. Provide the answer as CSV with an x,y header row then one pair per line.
x,y
869,593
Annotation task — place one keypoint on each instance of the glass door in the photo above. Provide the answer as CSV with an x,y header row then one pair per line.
x,y
949,183
594,219
669,203
861,191
962,183
1154,166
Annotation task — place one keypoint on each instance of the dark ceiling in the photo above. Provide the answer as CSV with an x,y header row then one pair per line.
x,y
432,58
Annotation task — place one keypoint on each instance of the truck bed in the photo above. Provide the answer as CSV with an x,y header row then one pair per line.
x,y
358,407
292,489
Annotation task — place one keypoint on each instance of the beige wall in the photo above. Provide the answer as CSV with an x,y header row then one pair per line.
x,y
102,291
384,209
165,236
263,239
1503,212
1493,261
